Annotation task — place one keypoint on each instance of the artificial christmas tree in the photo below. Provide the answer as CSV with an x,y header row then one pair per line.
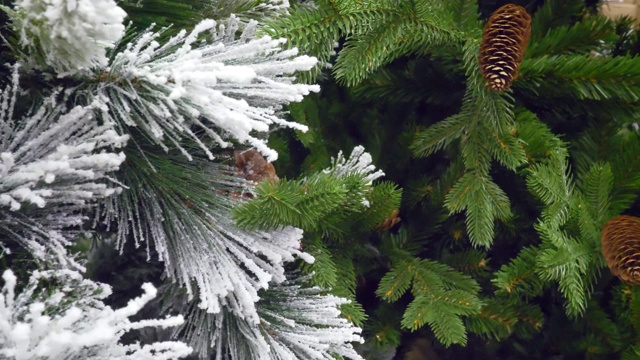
x,y
148,154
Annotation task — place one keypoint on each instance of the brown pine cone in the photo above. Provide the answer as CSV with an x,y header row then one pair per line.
x,y
251,165
504,41
621,247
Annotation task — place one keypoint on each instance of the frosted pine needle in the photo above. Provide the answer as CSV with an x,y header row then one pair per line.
x,y
295,323
70,321
54,158
194,234
205,81
359,162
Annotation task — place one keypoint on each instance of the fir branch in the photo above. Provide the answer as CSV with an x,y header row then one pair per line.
x,y
292,203
554,14
483,201
384,198
564,258
519,276
464,14
578,38
438,136
619,151
315,30
496,321
441,296
471,261
318,202
323,269
583,77
596,187
390,39
396,281
537,139
501,318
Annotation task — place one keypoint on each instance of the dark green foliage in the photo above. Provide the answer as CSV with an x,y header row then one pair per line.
x,y
509,190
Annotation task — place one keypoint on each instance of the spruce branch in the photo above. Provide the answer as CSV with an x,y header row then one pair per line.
x,y
519,277
554,14
483,201
414,27
597,186
377,31
486,129
619,153
315,31
583,77
563,257
317,202
441,296
580,38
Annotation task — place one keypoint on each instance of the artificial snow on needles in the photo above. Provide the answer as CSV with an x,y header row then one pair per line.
x,y
208,80
67,36
296,322
55,158
54,143
70,321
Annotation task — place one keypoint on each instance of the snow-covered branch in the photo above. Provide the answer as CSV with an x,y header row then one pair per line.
x,y
225,87
296,322
61,316
193,232
55,158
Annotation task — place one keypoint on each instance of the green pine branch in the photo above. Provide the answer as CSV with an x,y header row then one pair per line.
x,y
579,38
582,77
441,296
519,277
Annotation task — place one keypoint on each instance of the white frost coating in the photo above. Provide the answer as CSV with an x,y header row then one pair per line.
x,y
358,163
71,321
54,158
295,323
200,243
226,87
68,36
52,154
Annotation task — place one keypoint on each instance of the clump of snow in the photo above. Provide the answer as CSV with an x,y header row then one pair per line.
x,y
68,36
70,321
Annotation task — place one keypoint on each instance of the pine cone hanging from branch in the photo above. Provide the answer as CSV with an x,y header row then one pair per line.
x,y
621,247
504,41
251,165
